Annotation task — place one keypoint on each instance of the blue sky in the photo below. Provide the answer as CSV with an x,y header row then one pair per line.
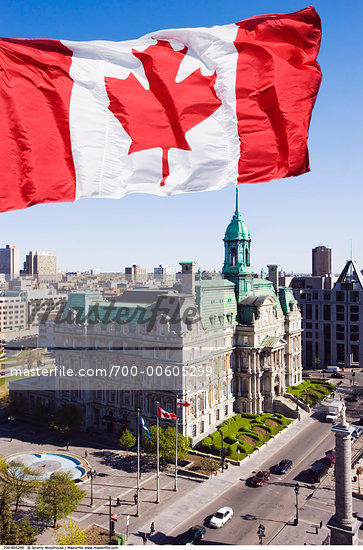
x,y
286,218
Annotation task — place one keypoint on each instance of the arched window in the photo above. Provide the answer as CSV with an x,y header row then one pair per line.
x,y
246,256
233,257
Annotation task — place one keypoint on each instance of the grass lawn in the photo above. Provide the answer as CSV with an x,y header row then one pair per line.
x,y
311,391
244,433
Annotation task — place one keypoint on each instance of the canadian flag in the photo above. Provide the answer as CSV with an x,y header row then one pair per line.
x,y
174,111
183,403
165,414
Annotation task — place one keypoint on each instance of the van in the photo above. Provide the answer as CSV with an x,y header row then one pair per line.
x,y
331,369
332,417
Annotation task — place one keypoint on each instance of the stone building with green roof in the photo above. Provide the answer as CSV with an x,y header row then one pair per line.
x,y
267,342
228,344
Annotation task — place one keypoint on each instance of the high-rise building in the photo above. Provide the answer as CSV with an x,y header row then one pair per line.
x,y
40,263
165,273
136,274
332,319
321,261
9,261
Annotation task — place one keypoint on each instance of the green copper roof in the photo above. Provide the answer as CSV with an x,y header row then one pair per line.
x,y
237,229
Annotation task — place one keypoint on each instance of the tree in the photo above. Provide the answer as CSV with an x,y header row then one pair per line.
x,y
10,532
71,534
22,480
209,465
167,444
67,419
58,497
127,440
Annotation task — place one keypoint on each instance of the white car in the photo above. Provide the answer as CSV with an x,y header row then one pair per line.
x,y
221,517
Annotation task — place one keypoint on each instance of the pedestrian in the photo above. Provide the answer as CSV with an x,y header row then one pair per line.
x,y
144,539
118,502
350,380
321,524
11,438
135,498
67,446
152,528
85,454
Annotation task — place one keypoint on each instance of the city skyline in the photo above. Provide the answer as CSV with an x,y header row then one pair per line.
x,y
286,218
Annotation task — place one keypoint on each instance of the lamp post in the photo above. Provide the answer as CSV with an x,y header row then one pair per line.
x,y
353,375
261,532
92,474
297,490
222,451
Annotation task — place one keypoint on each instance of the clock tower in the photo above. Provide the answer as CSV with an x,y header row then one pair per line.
x,y
237,259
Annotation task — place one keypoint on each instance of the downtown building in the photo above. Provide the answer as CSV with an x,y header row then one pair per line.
x,y
228,344
332,311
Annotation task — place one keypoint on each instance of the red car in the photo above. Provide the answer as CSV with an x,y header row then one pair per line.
x,y
259,479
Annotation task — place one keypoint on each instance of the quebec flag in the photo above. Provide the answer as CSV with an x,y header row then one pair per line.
x,y
146,430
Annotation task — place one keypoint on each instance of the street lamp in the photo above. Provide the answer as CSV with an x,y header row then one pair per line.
x,y
92,474
261,532
297,490
222,450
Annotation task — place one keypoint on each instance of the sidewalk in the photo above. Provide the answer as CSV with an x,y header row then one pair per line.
x,y
178,511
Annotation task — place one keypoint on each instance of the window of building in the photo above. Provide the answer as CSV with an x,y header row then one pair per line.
x,y
217,414
202,426
308,335
326,295
308,311
226,410
315,296
354,296
194,430
340,353
339,296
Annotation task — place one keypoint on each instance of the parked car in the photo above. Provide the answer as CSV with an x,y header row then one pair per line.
x,y
337,375
259,479
283,466
317,471
357,432
192,536
221,517
331,456
331,369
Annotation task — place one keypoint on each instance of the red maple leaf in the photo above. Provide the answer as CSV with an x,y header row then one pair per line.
x,y
161,115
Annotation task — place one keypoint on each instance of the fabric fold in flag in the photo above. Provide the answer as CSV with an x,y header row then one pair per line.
x,y
179,110
165,414
143,425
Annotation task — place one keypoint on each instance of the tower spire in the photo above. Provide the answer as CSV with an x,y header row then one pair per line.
x,y
237,201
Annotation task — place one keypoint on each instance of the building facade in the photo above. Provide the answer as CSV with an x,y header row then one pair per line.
x,y
9,261
227,344
321,260
332,319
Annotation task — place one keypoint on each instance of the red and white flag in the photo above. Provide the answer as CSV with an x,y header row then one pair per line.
x,y
174,111
183,403
165,414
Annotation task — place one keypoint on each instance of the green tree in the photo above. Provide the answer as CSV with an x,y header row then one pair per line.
x,y
26,533
127,440
10,532
58,497
209,465
167,444
67,419
71,534
22,480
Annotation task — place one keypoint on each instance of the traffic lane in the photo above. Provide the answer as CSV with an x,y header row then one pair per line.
x,y
274,502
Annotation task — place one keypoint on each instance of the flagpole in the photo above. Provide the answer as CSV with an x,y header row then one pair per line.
x,y
176,445
138,465
157,456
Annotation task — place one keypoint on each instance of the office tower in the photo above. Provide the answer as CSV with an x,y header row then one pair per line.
x,y
40,263
9,261
321,261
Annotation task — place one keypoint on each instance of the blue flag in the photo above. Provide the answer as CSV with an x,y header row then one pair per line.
x,y
146,430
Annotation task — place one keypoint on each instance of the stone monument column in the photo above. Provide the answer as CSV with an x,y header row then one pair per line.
x,y
343,526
